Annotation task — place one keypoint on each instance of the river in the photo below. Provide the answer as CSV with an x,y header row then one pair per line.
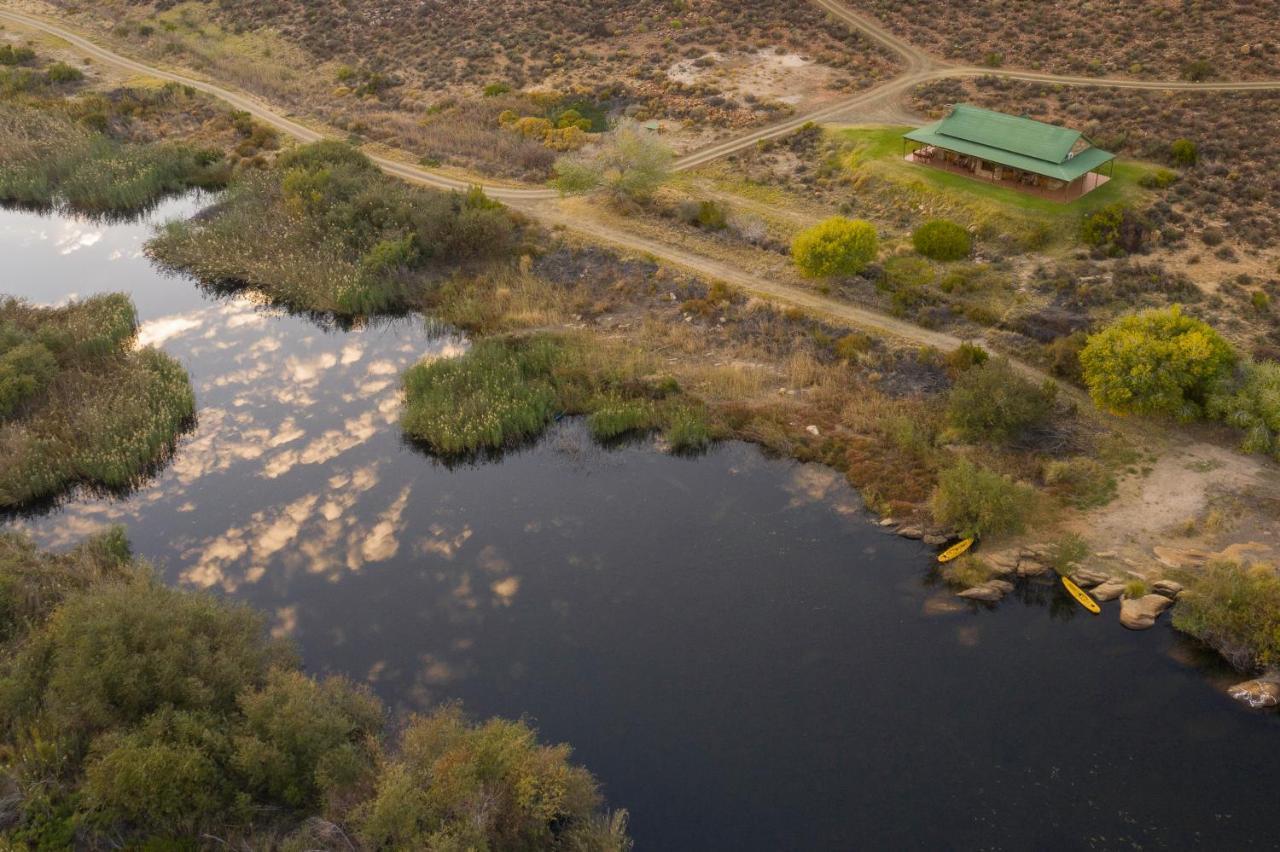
x,y
741,657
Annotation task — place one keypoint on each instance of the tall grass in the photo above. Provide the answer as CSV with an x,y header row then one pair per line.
x,y
326,231
506,390
103,414
47,159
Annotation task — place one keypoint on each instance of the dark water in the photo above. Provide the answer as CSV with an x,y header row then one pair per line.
x,y
740,657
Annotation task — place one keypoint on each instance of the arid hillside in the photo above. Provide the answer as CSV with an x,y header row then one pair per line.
x,y
1164,39
434,76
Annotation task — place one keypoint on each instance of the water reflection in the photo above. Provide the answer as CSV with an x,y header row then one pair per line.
x,y
744,661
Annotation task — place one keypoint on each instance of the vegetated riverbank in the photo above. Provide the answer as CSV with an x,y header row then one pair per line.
x,y
324,230
78,403
66,140
138,713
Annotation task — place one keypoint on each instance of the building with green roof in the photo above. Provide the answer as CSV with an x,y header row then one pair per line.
x,y
1012,150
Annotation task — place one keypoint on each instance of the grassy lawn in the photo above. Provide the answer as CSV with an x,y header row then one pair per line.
x,y
878,151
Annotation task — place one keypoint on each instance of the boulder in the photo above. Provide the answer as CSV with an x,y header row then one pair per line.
x,y
1003,559
1028,567
990,591
1256,693
1108,590
1179,557
935,540
911,532
1168,588
1086,578
1141,613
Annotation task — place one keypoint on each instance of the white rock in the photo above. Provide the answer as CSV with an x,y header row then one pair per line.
x,y
1141,613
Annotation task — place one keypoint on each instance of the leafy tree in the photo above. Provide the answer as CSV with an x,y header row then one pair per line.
x,y
837,246
630,164
979,502
1116,228
1160,361
941,239
992,402
1250,401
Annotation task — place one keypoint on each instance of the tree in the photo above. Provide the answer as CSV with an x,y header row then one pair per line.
x,y
1251,401
1160,361
630,164
837,246
941,239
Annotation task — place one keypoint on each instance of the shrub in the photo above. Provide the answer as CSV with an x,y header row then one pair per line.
x,y
1068,552
835,247
61,72
11,55
1160,361
1184,152
1235,610
965,357
454,785
1250,401
25,370
967,571
1081,482
631,164
978,502
1198,70
992,402
941,239
1116,228
1158,179
137,716
907,278
494,89
852,345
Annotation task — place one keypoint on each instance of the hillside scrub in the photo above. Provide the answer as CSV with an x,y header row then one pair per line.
x,y
63,374
1250,401
1235,609
137,715
835,247
324,230
1160,362
505,391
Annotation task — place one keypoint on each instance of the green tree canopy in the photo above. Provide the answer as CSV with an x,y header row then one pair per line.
x,y
837,246
1160,361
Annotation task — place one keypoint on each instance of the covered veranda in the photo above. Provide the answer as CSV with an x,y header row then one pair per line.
x,y
1022,180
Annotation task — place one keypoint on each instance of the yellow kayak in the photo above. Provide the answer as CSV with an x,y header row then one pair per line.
x,y
1080,595
955,550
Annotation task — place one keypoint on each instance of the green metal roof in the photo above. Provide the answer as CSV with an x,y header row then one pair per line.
x,y
1010,140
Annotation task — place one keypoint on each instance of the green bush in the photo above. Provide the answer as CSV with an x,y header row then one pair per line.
x,y
992,402
1198,70
61,72
1235,610
1184,152
978,502
326,231
618,417
21,55
967,571
137,716
630,164
965,357
1160,361
835,247
1250,401
25,370
1116,228
1158,179
941,239
907,279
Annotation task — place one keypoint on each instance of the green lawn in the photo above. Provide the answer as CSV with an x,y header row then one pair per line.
x,y
878,151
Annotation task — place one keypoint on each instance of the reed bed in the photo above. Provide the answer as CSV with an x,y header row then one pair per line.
x,y
80,405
